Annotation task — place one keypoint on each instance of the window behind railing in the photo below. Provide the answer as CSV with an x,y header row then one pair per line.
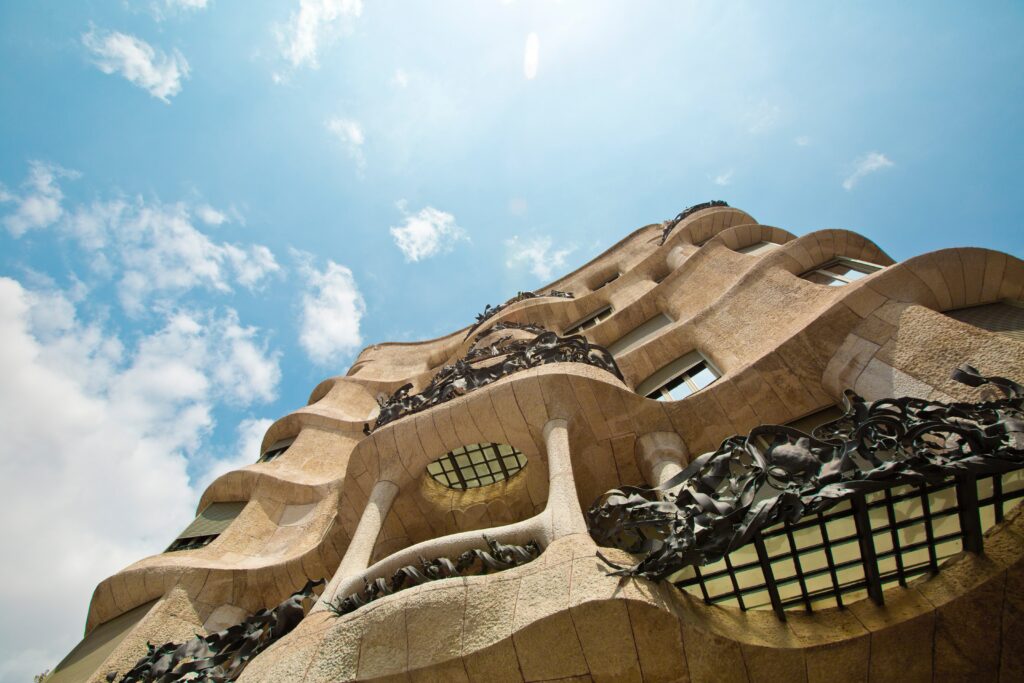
x,y
857,548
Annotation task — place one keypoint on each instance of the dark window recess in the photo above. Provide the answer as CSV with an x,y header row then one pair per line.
x,y
857,548
210,523
610,280
590,321
276,450
476,465
1003,317
839,272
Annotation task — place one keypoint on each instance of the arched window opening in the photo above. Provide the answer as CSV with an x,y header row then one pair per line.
x,y
639,334
276,450
680,378
607,281
211,523
840,271
1003,317
759,248
589,321
476,465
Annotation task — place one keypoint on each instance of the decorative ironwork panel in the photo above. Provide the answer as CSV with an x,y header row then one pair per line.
x,y
481,367
498,557
491,311
222,656
724,499
686,213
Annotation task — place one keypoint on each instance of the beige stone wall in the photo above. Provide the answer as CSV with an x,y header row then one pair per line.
x,y
785,347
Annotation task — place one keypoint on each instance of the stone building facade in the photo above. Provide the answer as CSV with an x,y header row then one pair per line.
x,y
715,324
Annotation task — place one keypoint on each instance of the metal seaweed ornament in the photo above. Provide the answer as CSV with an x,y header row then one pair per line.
x,y
775,474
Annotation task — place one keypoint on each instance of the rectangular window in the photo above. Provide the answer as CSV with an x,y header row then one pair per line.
x,y
679,379
590,321
639,334
839,272
758,248
211,522
1003,317
276,450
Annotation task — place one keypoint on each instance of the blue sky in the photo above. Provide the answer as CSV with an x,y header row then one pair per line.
x,y
206,207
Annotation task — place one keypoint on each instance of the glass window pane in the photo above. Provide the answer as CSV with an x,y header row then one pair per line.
x,y
679,391
822,279
702,376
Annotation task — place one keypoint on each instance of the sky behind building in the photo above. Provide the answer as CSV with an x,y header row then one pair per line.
x,y
208,206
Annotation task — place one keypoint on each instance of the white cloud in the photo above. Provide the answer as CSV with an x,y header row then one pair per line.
x,y
315,23
531,56
427,233
98,434
40,204
869,163
250,437
802,140
153,247
401,78
158,73
332,308
187,4
724,178
537,255
210,215
351,135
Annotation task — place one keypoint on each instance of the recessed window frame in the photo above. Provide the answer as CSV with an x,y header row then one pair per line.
x,y
477,465
837,279
1005,317
208,525
759,248
590,321
685,372
608,280
276,450
643,332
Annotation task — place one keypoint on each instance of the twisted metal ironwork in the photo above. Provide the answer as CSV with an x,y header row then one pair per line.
x,y
723,499
498,557
481,367
686,213
491,311
222,656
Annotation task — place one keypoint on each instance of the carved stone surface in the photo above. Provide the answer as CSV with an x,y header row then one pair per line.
x,y
722,499
472,561
510,356
686,213
222,656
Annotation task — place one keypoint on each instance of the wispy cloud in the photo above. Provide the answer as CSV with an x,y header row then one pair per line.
x,y
865,165
154,249
724,178
39,204
537,254
531,56
210,215
314,24
351,135
802,140
401,78
158,73
332,309
427,233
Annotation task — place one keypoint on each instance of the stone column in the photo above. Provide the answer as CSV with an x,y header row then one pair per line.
x,y
661,456
563,502
360,549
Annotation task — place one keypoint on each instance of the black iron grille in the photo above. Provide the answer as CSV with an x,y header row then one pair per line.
x,y
858,547
476,465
